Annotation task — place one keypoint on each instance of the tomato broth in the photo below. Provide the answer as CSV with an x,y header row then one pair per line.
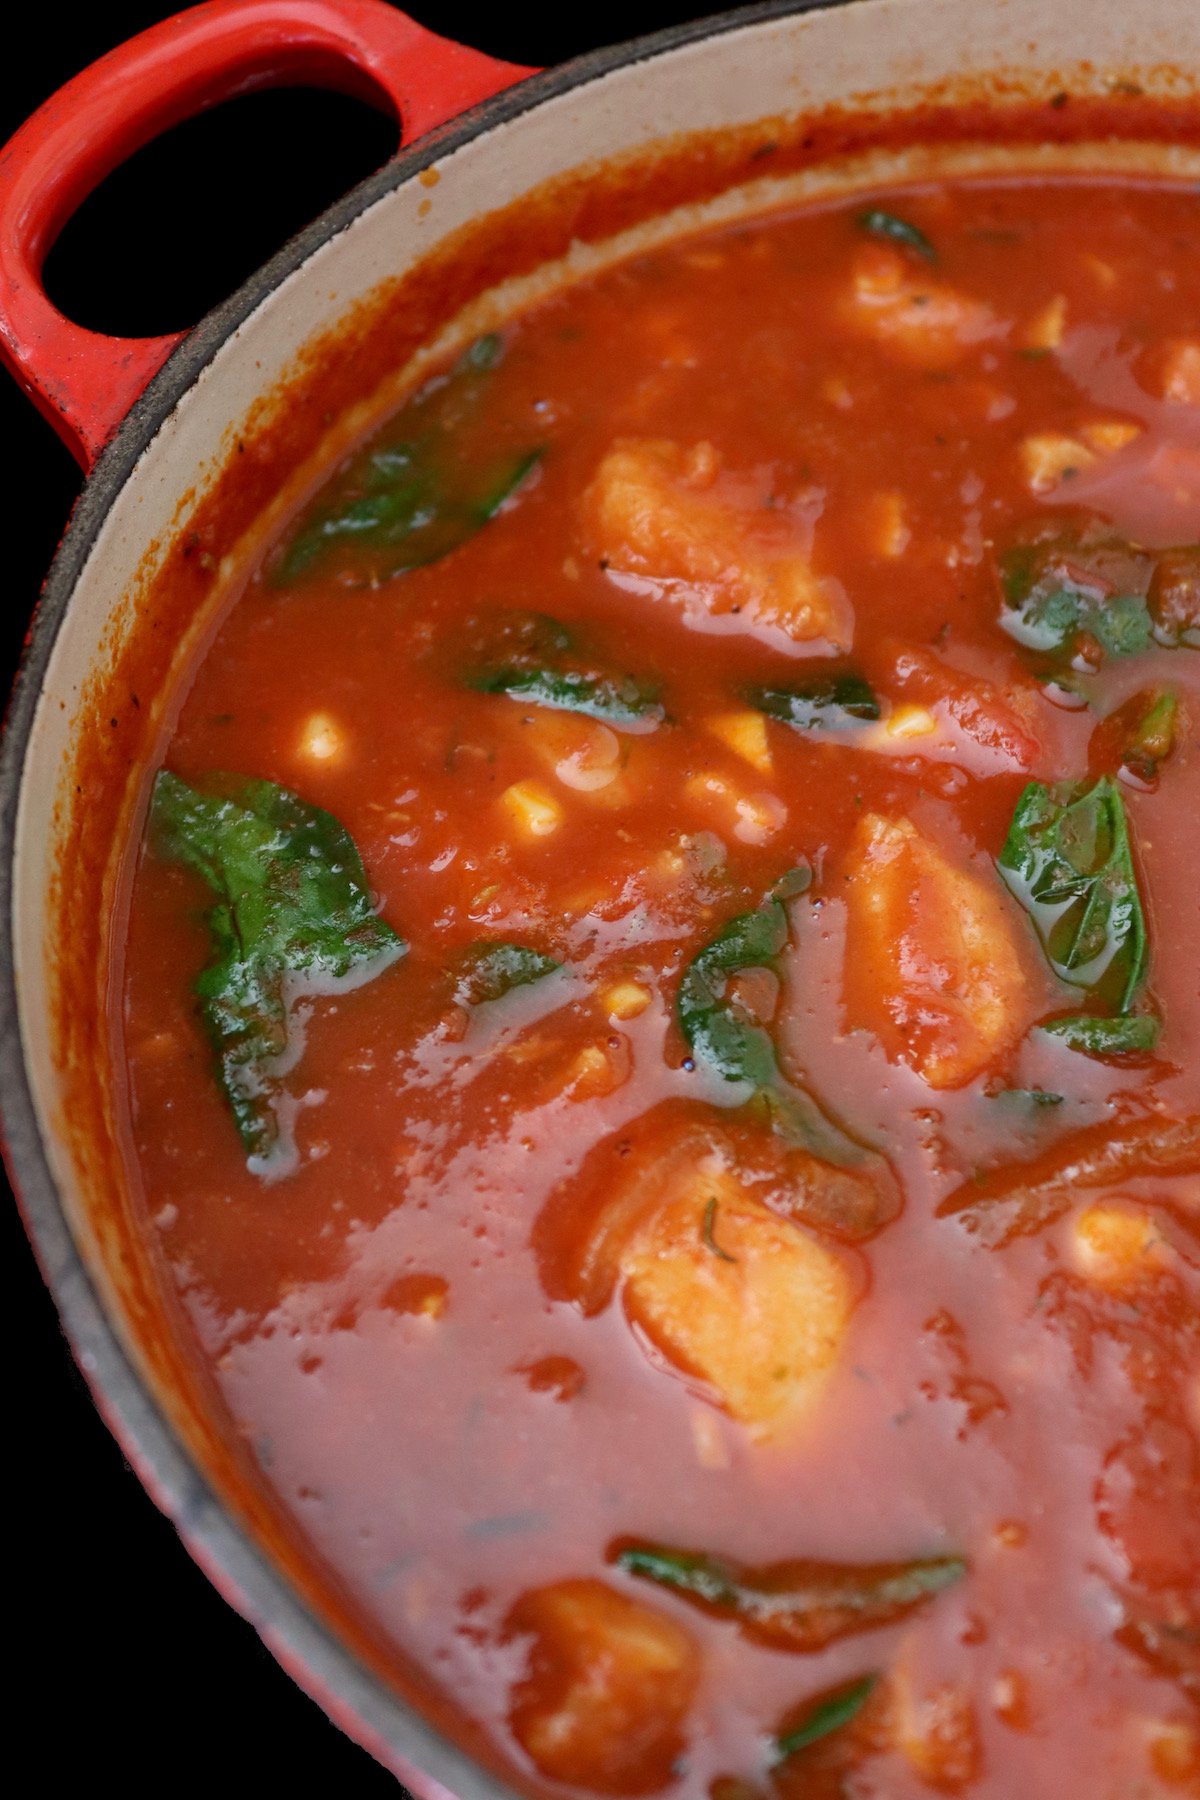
x,y
706,1244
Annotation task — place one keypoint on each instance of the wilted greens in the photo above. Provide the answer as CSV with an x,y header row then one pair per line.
x,y
719,1035
618,700
1069,861
793,1605
827,703
536,659
293,918
1130,1034
829,1714
1140,735
412,498
1076,597
488,971
724,1039
895,230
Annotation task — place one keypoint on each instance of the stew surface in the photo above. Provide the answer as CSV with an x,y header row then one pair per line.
x,y
661,1010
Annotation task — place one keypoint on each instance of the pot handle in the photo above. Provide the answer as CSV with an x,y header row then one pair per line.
x,y
85,382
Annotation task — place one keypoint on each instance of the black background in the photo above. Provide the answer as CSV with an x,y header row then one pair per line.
x,y
128,1665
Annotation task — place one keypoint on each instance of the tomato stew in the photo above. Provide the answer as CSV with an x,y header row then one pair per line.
x,y
661,1012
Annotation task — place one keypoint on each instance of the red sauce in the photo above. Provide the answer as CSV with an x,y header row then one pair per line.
x,y
796,448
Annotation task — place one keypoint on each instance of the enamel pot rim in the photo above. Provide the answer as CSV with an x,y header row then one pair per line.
x,y
363,1705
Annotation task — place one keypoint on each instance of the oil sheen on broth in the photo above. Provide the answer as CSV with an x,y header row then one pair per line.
x,y
662,1021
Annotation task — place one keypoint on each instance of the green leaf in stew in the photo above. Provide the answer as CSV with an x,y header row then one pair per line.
x,y
823,1717
828,703
488,971
1069,861
727,1042
792,883
1129,1034
617,700
535,659
1035,1099
1074,597
293,918
417,495
800,1605
719,1035
894,230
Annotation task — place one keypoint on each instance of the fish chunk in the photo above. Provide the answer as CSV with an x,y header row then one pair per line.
x,y
916,319
672,514
750,1303
932,959
610,1681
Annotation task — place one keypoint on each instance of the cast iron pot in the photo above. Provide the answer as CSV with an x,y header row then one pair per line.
x,y
156,422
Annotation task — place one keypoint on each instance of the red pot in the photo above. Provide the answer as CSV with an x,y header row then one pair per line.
x,y
510,182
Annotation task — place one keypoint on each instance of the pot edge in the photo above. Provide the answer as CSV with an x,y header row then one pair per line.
x,y
365,1707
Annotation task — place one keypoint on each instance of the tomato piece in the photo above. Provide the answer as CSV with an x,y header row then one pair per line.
x,y
997,720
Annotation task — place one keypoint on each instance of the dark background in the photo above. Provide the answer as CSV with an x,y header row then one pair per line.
x,y
128,1665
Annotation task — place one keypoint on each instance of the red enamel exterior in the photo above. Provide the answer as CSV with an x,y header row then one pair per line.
x,y
85,382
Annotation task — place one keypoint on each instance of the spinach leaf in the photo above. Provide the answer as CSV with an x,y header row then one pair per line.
x,y
1130,1034
518,638
726,1042
721,1038
827,1716
1069,861
792,883
798,1605
1154,738
533,658
1052,614
1086,593
489,971
409,511
895,230
832,703
487,352
413,499
293,918
618,700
